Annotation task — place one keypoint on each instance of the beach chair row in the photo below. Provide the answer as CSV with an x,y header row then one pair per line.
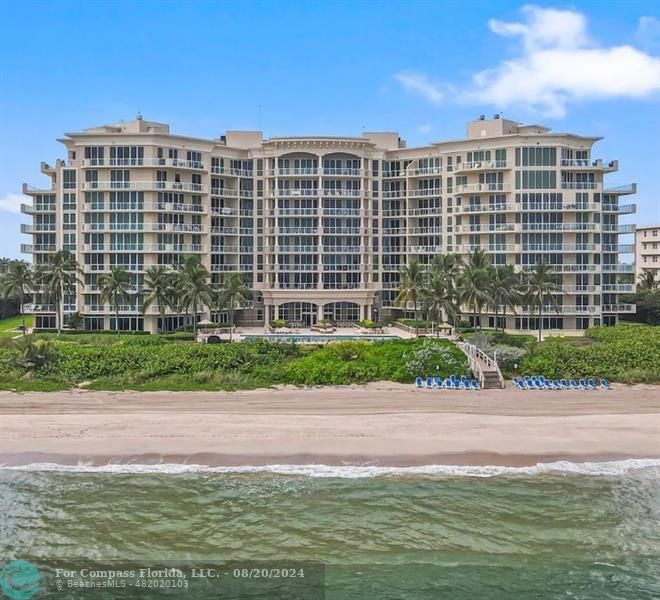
x,y
539,382
453,382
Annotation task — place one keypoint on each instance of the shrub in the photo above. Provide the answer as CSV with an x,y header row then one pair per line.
x,y
277,323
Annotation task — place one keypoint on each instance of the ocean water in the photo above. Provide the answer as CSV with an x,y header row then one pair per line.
x,y
561,531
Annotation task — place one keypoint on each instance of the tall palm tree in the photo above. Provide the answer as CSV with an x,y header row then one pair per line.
x,y
473,290
504,289
195,289
115,289
439,298
647,281
232,294
540,289
158,288
59,275
16,284
478,259
412,282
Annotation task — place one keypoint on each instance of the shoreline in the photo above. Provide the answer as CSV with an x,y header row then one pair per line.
x,y
381,424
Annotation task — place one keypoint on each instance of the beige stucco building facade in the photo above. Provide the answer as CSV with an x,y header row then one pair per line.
x,y
321,226
647,249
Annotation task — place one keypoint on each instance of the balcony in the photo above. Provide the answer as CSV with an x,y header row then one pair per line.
x,y
621,248
39,308
38,228
340,268
567,268
623,229
562,310
240,172
343,212
328,172
621,209
473,208
619,308
425,230
424,249
478,188
487,247
431,211
618,288
559,247
559,227
29,190
43,247
580,185
192,248
224,211
293,268
424,193
621,190
585,164
336,193
26,248
487,228
178,227
295,250
618,268
423,171
394,193
224,192
344,231
294,212
292,193
225,230
144,186
224,268
579,289
171,207
293,231
294,172
175,163
343,249
482,165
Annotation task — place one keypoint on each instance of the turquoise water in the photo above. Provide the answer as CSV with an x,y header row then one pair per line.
x,y
462,534
316,339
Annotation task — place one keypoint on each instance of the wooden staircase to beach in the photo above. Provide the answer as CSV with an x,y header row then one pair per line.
x,y
483,366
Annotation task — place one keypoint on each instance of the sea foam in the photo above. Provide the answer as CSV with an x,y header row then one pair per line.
x,y
609,468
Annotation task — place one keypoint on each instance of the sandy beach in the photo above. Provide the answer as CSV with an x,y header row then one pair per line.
x,y
378,424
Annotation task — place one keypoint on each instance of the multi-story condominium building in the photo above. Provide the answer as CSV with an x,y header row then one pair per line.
x,y
647,249
321,226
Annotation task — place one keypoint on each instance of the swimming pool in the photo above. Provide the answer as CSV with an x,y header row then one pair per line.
x,y
317,339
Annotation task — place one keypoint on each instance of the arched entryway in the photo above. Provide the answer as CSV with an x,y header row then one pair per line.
x,y
303,314
346,312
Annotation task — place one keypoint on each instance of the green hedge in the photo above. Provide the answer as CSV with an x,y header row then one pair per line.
x,y
625,353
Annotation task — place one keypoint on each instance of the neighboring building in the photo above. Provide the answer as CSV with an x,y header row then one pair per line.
x,y
321,226
647,249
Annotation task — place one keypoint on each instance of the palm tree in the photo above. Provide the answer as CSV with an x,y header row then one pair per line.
x,y
647,281
439,298
115,289
158,287
59,275
540,289
504,289
232,294
195,289
473,289
16,283
412,282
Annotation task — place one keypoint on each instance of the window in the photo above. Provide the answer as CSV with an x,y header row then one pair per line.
x,y
69,179
536,157
529,180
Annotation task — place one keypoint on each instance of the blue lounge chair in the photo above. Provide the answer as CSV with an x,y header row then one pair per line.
x,y
519,383
583,384
605,384
591,384
557,384
564,384
447,383
437,383
419,382
429,382
573,384
474,384
546,383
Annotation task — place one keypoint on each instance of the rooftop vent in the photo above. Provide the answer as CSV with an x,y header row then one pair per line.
x,y
496,116
139,116
482,117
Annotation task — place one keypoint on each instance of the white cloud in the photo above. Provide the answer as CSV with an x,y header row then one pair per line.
x,y
648,32
425,128
11,203
558,63
420,84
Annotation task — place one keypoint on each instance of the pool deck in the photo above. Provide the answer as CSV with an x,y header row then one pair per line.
x,y
242,333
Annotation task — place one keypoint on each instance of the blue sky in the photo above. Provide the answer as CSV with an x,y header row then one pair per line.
x,y
422,68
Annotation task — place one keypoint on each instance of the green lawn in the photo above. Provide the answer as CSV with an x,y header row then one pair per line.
x,y
8,326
